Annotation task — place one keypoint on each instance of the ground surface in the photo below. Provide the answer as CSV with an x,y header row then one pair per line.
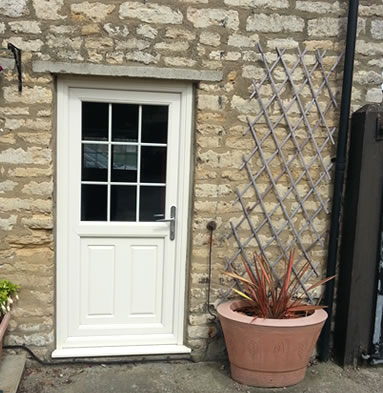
x,y
187,377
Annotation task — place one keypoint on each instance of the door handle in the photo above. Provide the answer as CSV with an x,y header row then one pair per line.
x,y
172,221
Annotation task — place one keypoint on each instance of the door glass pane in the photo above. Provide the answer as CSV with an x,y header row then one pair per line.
x,y
123,203
124,163
93,202
94,162
125,123
153,164
95,121
154,123
152,203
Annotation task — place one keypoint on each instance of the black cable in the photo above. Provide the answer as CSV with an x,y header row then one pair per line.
x,y
211,226
95,362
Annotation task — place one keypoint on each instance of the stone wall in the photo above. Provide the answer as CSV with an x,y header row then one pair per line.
x,y
195,34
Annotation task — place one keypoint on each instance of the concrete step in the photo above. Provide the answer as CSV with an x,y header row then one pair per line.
x,y
11,372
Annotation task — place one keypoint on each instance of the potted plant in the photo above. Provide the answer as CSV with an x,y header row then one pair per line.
x,y
270,334
8,292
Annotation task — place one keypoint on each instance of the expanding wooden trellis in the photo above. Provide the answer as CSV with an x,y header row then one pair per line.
x,y
296,118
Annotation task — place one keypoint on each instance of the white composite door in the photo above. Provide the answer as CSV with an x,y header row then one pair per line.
x,y
122,210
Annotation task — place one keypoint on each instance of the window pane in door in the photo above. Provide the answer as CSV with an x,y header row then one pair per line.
x,y
153,164
93,202
124,163
123,203
124,123
152,203
94,162
95,121
154,123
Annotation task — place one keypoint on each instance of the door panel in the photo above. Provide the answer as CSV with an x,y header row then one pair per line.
x,y
119,172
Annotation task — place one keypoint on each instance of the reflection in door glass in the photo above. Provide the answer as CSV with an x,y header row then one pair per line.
x,y
124,163
153,164
93,202
154,123
124,148
152,203
95,121
94,162
123,203
125,123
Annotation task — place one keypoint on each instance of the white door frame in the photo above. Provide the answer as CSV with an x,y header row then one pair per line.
x,y
185,91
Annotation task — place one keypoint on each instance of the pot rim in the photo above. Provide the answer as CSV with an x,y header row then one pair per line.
x,y
226,310
4,324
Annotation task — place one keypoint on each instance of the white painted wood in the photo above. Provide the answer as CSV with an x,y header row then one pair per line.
x,y
120,285
121,351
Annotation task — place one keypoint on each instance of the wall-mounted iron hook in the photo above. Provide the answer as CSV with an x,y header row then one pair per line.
x,y
17,55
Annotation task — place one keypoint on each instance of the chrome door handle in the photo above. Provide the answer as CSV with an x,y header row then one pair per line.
x,y
172,221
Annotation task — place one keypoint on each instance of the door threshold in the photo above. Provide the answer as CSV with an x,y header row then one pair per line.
x,y
120,351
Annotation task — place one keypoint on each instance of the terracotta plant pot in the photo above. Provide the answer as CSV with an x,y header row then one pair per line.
x,y
268,352
3,328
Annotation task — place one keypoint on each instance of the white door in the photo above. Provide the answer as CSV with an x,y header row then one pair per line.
x,y
122,166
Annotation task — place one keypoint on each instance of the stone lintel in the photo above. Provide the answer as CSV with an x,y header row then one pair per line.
x,y
130,71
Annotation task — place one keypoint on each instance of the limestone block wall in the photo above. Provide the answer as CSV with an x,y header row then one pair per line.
x,y
190,34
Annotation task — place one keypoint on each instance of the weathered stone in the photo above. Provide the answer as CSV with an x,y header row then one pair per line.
x,y
150,13
133,43
320,7
6,224
175,46
30,172
210,38
142,57
48,9
97,12
331,27
287,43
7,185
374,96
179,33
38,222
91,28
241,41
212,190
14,8
33,155
272,4
31,95
275,23
25,26
377,29
210,102
38,188
17,204
244,105
179,61
369,48
99,43
64,42
147,31
25,45
213,17
116,30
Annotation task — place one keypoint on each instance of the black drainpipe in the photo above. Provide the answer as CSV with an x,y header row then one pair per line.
x,y
339,172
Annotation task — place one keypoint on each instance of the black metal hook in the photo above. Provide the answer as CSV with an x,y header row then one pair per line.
x,y
17,55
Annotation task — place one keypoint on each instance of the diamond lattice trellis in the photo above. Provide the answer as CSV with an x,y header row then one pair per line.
x,y
285,203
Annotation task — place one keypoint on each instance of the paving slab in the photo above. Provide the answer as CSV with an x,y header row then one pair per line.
x,y
11,372
187,377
